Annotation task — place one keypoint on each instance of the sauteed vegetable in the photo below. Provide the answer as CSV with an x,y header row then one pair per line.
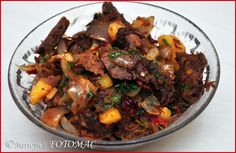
x,y
113,81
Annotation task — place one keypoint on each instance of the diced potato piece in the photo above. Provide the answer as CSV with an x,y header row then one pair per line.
x,y
110,116
39,91
113,28
176,47
173,42
165,113
165,40
104,82
152,54
51,94
144,25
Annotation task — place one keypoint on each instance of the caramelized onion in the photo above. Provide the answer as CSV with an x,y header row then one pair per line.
x,y
150,104
68,126
52,116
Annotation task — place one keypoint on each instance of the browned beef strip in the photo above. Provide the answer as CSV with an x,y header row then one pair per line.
x,y
125,61
112,13
91,62
115,71
53,38
81,42
127,38
88,119
50,68
149,74
189,79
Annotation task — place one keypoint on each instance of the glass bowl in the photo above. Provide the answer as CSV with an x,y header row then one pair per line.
x,y
166,22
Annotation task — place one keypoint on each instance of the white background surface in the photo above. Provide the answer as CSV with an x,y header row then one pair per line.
x,y
213,130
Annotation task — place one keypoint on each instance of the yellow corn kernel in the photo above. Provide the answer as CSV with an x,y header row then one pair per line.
x,y
110,116
39,91
51,94
113,28
104,82
165,113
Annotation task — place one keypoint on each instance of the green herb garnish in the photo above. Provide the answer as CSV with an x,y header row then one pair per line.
x,y
64,82
90,94
165,42
143,123
117,54
116,99
157,74
187,87
140,112
129,52
44,59
70,65
126,87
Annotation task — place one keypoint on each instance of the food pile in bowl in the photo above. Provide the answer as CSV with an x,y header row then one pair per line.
x,y
113,81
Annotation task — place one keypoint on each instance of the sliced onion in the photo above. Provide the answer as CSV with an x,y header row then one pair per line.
x,y
68,126
170,69
67,71
79,95
52,116
144,25
165,52
150,104
31,68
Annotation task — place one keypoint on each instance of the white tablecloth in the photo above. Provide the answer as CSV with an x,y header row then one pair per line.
x,y
213,130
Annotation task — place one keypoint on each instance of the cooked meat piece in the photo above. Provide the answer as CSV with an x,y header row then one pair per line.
x,y
150,76
102,24
126,61
62,46
127,39
102,21
91,62
115,71
111,12
52,80
50,68
88,119
81,40
53,38
189,77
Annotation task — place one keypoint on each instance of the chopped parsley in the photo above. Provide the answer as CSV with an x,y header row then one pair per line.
x,y
129,52
165,42
90,94
44,59
64,82
140,112
116,99
70,65
126,87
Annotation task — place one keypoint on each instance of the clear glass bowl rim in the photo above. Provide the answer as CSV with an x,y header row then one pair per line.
x,y
145,139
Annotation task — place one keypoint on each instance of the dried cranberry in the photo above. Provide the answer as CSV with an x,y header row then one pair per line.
x,y
128,106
